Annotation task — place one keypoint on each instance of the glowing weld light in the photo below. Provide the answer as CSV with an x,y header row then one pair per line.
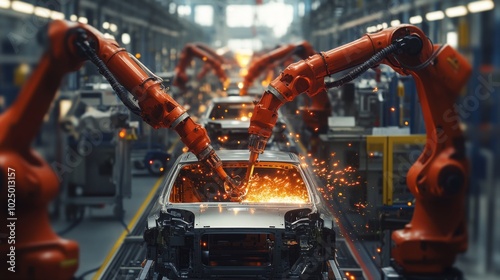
x,y
276,190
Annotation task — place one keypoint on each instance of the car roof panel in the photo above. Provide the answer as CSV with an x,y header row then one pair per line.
x,y
235,155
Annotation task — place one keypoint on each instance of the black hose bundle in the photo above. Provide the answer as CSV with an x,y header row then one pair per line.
x,y
356,72
103,69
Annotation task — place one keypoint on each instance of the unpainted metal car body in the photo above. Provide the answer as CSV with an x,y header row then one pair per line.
x,y
227,120
282,229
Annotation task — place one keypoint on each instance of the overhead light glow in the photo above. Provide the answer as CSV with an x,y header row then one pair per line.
x,y
4,4
452,39
395,22
105,25
279,24
261,15
125,38
416,20
56,15
109,36
436,15
83,20
371,29
474,7
172,7
384,25
184,10
73,17
301,9
42,12
64,106
113,27
456,11
204,15
239,15
23,7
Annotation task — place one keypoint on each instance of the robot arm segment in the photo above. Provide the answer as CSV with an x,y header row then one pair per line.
x,y
156,107
207,67
307,76
261,63
430,242
191,51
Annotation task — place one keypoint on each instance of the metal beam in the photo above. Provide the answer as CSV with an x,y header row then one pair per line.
x,y
372,17
140,22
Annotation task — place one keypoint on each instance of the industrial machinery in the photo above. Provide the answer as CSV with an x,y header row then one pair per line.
x,y
438,179
225,58
44,254
97,126
283,229
263,62
227,120
204,53
153,158
315,115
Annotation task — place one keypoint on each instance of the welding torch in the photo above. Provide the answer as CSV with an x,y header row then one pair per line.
x,y
256,145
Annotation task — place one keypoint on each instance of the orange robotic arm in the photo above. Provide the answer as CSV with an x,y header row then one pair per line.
x,y
316,114
157,108
262,62
191,51
34,250
207,66
32,183
438,179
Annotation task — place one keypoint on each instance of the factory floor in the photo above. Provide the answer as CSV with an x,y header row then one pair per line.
x,y
99,234
99,230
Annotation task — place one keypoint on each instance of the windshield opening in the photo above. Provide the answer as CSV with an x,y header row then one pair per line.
x,y
280,183
232,111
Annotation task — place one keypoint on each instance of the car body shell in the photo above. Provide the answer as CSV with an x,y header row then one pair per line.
x,y
297,225
233,134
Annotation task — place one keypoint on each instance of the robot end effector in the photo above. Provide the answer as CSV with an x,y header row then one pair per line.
x,y
127,75
307,76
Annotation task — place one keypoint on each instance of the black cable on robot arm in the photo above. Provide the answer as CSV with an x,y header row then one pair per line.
x,y
356,72
103,69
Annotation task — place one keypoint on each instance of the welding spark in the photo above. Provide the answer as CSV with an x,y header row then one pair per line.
x,y
277,189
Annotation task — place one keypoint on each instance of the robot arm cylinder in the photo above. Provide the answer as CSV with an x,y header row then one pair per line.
x,y
307,76
157,108
315,116
436,233
191,51
207,67
260,64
